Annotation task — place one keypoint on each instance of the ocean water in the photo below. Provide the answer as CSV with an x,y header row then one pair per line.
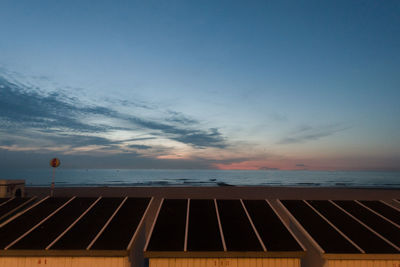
x,y
123,177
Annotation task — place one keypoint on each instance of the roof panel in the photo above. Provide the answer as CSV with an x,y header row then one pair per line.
x,y
203,229
42,236
363,237
377,223
17,227
122,227
86,229
324,234
238,232
8,207
383,209
3,199
271,229
169,230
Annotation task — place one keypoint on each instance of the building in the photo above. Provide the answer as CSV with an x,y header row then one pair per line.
x,y
347,233
211,232
12,188
74,231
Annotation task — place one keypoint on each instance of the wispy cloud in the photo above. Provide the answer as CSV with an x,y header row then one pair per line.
x,y
186,134
178,117
132,160
28,113
307,133
142,147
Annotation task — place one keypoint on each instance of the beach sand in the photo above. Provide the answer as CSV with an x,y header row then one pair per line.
x,y
224,192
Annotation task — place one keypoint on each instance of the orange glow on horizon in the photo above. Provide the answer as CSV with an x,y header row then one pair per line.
x,y
171,157
254,165
325,164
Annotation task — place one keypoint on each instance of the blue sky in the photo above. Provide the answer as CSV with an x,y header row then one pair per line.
x,y
201,84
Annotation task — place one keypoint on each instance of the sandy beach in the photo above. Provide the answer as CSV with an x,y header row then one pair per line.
x,y
224,192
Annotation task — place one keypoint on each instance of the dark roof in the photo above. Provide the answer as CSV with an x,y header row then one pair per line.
x,y
348,227
62,224
208,227
10,206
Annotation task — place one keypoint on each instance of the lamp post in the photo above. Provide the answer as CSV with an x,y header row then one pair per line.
x,y
54,162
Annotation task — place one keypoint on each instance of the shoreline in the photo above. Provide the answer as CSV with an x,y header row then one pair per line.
x,y
223,192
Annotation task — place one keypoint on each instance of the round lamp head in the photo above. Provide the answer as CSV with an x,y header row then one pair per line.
x,y
55,162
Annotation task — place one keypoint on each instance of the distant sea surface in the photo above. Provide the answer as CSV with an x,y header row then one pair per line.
x,y
123,177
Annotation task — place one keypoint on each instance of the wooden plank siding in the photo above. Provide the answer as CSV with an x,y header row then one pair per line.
x,y
362,263
64,262
224,262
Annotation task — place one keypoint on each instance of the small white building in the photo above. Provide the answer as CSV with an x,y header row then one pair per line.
x,y
12,188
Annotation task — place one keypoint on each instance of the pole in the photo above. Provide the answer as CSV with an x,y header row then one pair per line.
x,y
52,182
55,162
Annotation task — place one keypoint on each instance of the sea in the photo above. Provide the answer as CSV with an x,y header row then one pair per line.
x,y
130,177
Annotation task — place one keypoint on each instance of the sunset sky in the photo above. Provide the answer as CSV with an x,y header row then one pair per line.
x,y
200,84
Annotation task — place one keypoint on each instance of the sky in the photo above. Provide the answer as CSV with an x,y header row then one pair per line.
x,y
258,85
